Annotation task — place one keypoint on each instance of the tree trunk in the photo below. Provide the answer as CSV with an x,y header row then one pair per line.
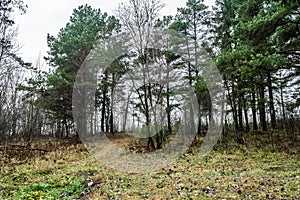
x,y
126,112
111,120
282,102
168,103
107,117
261,106
240,115
231,97
234,109
58,130
245,114
253,107
103,111
65,122
271,105
199,123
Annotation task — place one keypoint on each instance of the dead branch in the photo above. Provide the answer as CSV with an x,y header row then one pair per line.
x,y
22,149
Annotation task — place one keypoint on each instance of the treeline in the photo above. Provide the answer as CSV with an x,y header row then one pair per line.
x,y
258,55
255,46
14,113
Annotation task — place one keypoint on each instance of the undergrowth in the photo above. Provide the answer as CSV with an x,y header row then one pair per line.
x,y
258,170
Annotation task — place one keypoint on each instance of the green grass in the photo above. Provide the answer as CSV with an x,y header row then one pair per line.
x,y
234,173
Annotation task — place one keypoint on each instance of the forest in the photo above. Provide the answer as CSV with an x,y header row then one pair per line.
x,y
203,104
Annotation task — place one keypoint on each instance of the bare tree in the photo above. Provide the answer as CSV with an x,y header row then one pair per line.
x,y
10,68
138,19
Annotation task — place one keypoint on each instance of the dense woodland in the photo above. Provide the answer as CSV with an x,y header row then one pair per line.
x,y
255,45
138,86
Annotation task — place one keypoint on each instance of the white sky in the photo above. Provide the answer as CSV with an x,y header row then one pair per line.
x,y
45,16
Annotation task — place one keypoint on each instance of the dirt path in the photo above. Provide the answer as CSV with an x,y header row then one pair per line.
x,y
120,139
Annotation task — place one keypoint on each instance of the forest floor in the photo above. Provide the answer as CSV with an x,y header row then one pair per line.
x,y
256,171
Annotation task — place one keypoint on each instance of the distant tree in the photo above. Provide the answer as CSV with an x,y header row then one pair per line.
x,y
11,67
192,21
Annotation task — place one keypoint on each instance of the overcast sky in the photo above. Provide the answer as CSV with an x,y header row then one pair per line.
x,y
45,16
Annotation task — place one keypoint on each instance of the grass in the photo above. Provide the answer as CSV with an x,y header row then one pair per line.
x,y
237,172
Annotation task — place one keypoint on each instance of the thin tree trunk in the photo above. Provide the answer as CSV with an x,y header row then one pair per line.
x,y
231,98
168,102
107,117
253,107
245,114
282,102
261,106
112,105
148,120
271,105
234,109
126,112
103,111
58,130
240,115
65,122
